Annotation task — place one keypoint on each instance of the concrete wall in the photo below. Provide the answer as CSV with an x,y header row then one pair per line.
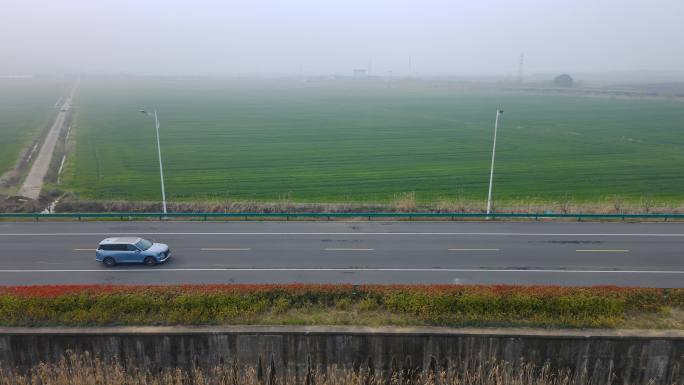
x,y
632,358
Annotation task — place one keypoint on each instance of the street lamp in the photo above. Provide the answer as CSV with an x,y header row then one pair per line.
x,y
499,113
161,170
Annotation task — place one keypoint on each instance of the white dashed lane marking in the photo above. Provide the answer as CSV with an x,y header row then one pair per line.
x,y
474,249
346,249
603,251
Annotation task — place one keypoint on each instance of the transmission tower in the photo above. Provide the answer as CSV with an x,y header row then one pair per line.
x,y
520,67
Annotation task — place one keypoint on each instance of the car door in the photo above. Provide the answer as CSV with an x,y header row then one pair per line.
x,y
134,254
123,255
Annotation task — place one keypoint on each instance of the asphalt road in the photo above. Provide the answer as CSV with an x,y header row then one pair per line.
x,y
571,253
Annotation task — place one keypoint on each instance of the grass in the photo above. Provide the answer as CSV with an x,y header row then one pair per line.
x,y
26,106
369,142
438,305
86,369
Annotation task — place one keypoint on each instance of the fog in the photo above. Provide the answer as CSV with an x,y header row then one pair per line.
x,y
427,37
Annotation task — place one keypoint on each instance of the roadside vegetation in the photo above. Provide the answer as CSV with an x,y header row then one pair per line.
x,y
436,305
403,202
406,144
86,369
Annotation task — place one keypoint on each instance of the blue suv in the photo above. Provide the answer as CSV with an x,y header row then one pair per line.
x,y
112,251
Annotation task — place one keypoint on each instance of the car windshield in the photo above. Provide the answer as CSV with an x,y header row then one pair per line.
x,y
144,244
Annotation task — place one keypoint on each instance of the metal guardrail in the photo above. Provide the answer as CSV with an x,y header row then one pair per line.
x,y
370,216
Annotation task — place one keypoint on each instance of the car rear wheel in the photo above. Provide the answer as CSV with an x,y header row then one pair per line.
x,y
150,261
109,262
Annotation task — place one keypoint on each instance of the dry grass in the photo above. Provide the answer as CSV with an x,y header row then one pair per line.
x,y
404,202
670,318
457,205
14,204
284,204
360,314
87,370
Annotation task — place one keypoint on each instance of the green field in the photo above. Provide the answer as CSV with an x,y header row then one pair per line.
x,y
346,141
25,109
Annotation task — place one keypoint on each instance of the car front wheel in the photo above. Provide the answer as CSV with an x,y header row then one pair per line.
x,y
150,261
109,262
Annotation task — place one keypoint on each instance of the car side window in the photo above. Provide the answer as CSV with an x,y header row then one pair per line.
x,y
119,247
131,248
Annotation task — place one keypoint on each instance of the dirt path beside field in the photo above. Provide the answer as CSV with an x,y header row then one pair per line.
x,y
34,180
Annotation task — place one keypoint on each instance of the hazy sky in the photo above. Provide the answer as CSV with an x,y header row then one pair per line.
x,y
334,36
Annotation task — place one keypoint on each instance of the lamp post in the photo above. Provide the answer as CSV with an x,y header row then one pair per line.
x,y
161,169
499,113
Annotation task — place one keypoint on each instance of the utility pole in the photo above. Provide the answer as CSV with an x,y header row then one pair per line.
x,y
161,169
499,113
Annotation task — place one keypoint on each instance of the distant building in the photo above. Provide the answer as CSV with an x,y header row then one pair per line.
x,y
563,80
358,72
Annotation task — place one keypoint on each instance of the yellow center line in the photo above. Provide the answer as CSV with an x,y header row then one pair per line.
x,y
226,249
604,251
474,249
